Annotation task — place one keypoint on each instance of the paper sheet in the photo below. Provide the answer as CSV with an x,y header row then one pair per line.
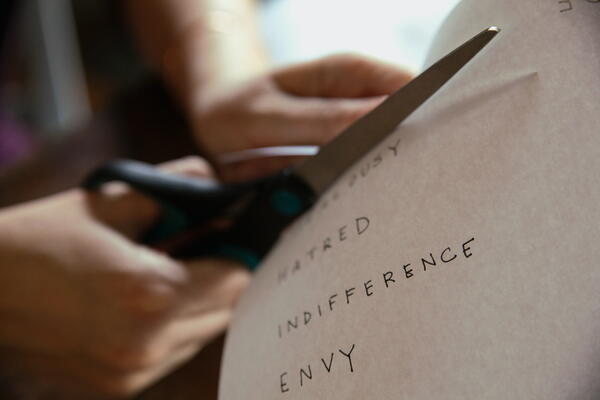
x,y
460,259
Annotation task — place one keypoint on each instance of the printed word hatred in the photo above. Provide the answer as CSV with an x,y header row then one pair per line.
x,y
359,173
355,228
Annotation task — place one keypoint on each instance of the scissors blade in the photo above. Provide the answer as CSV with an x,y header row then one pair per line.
x,y
321,170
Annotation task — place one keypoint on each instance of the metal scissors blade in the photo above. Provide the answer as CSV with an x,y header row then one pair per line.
x,y
321,170
272,203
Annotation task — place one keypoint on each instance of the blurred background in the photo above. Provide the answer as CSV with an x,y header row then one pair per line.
x,y
399,31
69,73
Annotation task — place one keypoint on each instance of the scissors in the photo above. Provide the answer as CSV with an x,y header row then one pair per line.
x,y
262,209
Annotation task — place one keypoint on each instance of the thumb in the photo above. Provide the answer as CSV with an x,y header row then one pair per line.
x,y
123,209
131,212
343,75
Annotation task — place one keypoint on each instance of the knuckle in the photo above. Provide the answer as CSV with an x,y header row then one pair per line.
x,y
234,285
355,113
238,281
347,113
121,387
144,298
191,164
196,162
132,359
216,324
141,358
334,123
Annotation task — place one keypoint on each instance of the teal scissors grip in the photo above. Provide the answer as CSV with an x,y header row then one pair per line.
x,y
171,222
269,206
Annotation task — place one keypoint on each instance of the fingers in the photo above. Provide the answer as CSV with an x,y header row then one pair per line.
x,y
317,121
75,378
125,383
213,284
344,75
124,210
132,213
198,328
203,312
305,104
163,310
136,382
190,166
150,341
200,311
309,121
287,120
254,169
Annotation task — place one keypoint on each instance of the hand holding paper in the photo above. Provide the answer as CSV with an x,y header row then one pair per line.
x,y
305,104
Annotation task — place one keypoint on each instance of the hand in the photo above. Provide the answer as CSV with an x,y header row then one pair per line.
x,y
305,104
87,311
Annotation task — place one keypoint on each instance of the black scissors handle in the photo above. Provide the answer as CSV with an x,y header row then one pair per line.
x,y
270,205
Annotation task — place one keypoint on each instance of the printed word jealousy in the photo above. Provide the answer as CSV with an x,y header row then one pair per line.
x,y
568,5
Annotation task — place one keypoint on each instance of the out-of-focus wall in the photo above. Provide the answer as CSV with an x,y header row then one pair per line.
x,y
395,30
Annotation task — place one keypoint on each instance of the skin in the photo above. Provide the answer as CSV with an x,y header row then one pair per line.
x,y
211,55
303,104
91,313
88,312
